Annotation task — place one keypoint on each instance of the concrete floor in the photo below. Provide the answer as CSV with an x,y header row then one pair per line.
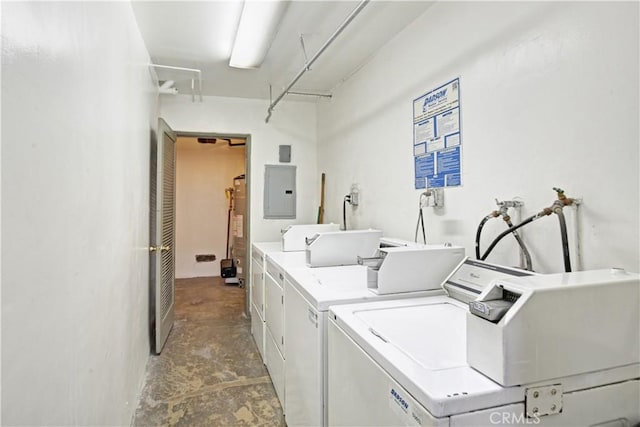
x,y
210,372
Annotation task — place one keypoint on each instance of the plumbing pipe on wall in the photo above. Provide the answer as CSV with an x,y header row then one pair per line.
x,y
313,59
556,207
503,212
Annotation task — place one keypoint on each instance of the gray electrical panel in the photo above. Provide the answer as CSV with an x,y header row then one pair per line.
x,y
279,192
285,154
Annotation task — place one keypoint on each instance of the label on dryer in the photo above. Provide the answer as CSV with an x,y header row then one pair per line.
x,y
407,410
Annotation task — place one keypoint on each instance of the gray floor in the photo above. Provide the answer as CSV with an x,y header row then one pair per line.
x,y
210,372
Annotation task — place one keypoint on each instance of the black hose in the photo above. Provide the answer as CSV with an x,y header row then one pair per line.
x,y
525,251
506,232
344,212
479,232
565,240
420,223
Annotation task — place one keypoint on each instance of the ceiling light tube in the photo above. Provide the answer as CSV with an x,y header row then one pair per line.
x,y
256,31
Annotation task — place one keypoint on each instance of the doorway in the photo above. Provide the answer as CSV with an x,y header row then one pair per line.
x,y
211,215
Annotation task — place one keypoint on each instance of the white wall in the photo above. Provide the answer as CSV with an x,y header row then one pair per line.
x,y
293,123
77,102
549,98
203,171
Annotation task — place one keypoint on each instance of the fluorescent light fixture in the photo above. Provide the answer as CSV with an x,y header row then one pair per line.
x,y
258,26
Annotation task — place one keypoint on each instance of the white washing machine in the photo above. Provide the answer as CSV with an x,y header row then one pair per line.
x,y
308,294
552,350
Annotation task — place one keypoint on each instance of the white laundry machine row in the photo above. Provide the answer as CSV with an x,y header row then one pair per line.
x,y
292,239
502,348
278,265
256,290
295,321
397,273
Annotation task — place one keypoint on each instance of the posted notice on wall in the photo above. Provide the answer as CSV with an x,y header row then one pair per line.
x,y
437,141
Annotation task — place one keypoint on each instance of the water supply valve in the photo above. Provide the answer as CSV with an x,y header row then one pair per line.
x,y
506,204
435,194
503,207
562,200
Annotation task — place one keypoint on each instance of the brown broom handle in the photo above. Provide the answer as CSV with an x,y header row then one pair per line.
x,y
321,209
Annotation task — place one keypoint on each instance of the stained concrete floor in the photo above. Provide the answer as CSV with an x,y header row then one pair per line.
x,y
209,372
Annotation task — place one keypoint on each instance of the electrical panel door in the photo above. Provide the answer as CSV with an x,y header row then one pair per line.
x,y
279,192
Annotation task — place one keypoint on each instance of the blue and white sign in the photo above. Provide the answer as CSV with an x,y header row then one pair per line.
x,y
437,141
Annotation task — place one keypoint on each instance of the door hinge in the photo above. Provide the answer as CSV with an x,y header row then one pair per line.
x,y
546,400
282,340
282,299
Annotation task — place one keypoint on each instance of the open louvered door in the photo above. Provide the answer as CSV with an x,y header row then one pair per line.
x,y
162,235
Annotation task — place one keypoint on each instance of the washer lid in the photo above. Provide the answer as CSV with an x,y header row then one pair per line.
x,y
323,287
434,347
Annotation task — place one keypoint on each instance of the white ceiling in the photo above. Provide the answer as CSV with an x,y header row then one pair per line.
x,y
199,35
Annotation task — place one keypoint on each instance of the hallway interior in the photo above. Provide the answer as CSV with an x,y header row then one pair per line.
x,y
209,372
